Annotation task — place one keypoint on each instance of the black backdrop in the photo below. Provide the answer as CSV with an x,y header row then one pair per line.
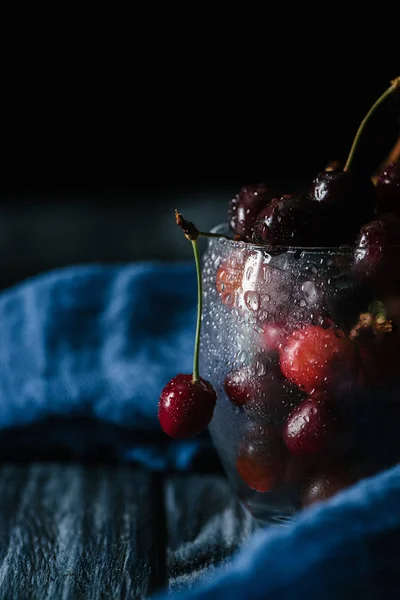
x,y
94,166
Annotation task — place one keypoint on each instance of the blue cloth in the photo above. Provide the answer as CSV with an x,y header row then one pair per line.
x,y
347,548
84,353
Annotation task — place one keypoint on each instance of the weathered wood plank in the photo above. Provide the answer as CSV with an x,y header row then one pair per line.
x,y
68,531
206,525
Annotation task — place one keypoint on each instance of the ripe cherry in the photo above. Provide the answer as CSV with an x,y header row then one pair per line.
x,y
312,428
388,189
286,221
350,196
273,336
245,207
230,275
187,402
327,483
318,359
250,384
186,407
262,390
377,254
349,200
261,460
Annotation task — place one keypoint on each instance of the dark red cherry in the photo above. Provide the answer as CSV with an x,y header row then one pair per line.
x,y
245,207
349,200
261,460
388,189
185,407
249,384
377,254
323,485
263,391
312,428
288,221
273,336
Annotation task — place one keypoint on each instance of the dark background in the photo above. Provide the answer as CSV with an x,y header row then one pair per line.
x,y
95,163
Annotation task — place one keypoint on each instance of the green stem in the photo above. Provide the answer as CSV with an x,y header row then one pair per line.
x,y
196,376
395,84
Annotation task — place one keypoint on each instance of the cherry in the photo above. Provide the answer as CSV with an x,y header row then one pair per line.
x,y
273,336
245,207
287,221
187,402
349,200
229,276
245,281
312,427
250,384
349,197
377,254
318,359
262,390
388,189
186,406
327,483
261,460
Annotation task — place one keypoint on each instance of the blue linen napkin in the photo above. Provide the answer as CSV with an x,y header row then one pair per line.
x,y
84,353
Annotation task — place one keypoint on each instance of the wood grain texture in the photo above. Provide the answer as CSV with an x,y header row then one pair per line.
x,y
95,532
68,531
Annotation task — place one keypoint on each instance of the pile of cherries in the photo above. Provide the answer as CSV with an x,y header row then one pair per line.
x,y
296,435
292,393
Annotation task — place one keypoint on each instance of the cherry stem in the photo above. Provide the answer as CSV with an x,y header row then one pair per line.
x,y
196,253
191,232
395,84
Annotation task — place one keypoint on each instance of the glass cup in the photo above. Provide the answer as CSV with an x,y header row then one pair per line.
x,y
304,360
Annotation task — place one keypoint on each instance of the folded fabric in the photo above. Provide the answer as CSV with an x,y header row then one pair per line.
x,y
347,547
84,354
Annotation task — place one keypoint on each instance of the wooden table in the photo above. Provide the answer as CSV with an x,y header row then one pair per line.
x,y
74,531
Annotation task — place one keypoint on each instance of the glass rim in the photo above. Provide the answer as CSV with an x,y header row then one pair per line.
x,y
223,229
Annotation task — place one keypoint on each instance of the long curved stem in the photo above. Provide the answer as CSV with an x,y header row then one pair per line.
x,y
395,84
196,253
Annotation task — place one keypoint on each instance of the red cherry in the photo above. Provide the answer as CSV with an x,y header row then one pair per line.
x,y
261,460
288,221
263,391
377,254
312,428
251,384
245,207
326,484
349,200
273,336
318,359
388,189
185,407
229,276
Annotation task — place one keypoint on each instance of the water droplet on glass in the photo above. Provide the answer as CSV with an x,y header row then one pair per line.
x,y
310,292
260,368
252,300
